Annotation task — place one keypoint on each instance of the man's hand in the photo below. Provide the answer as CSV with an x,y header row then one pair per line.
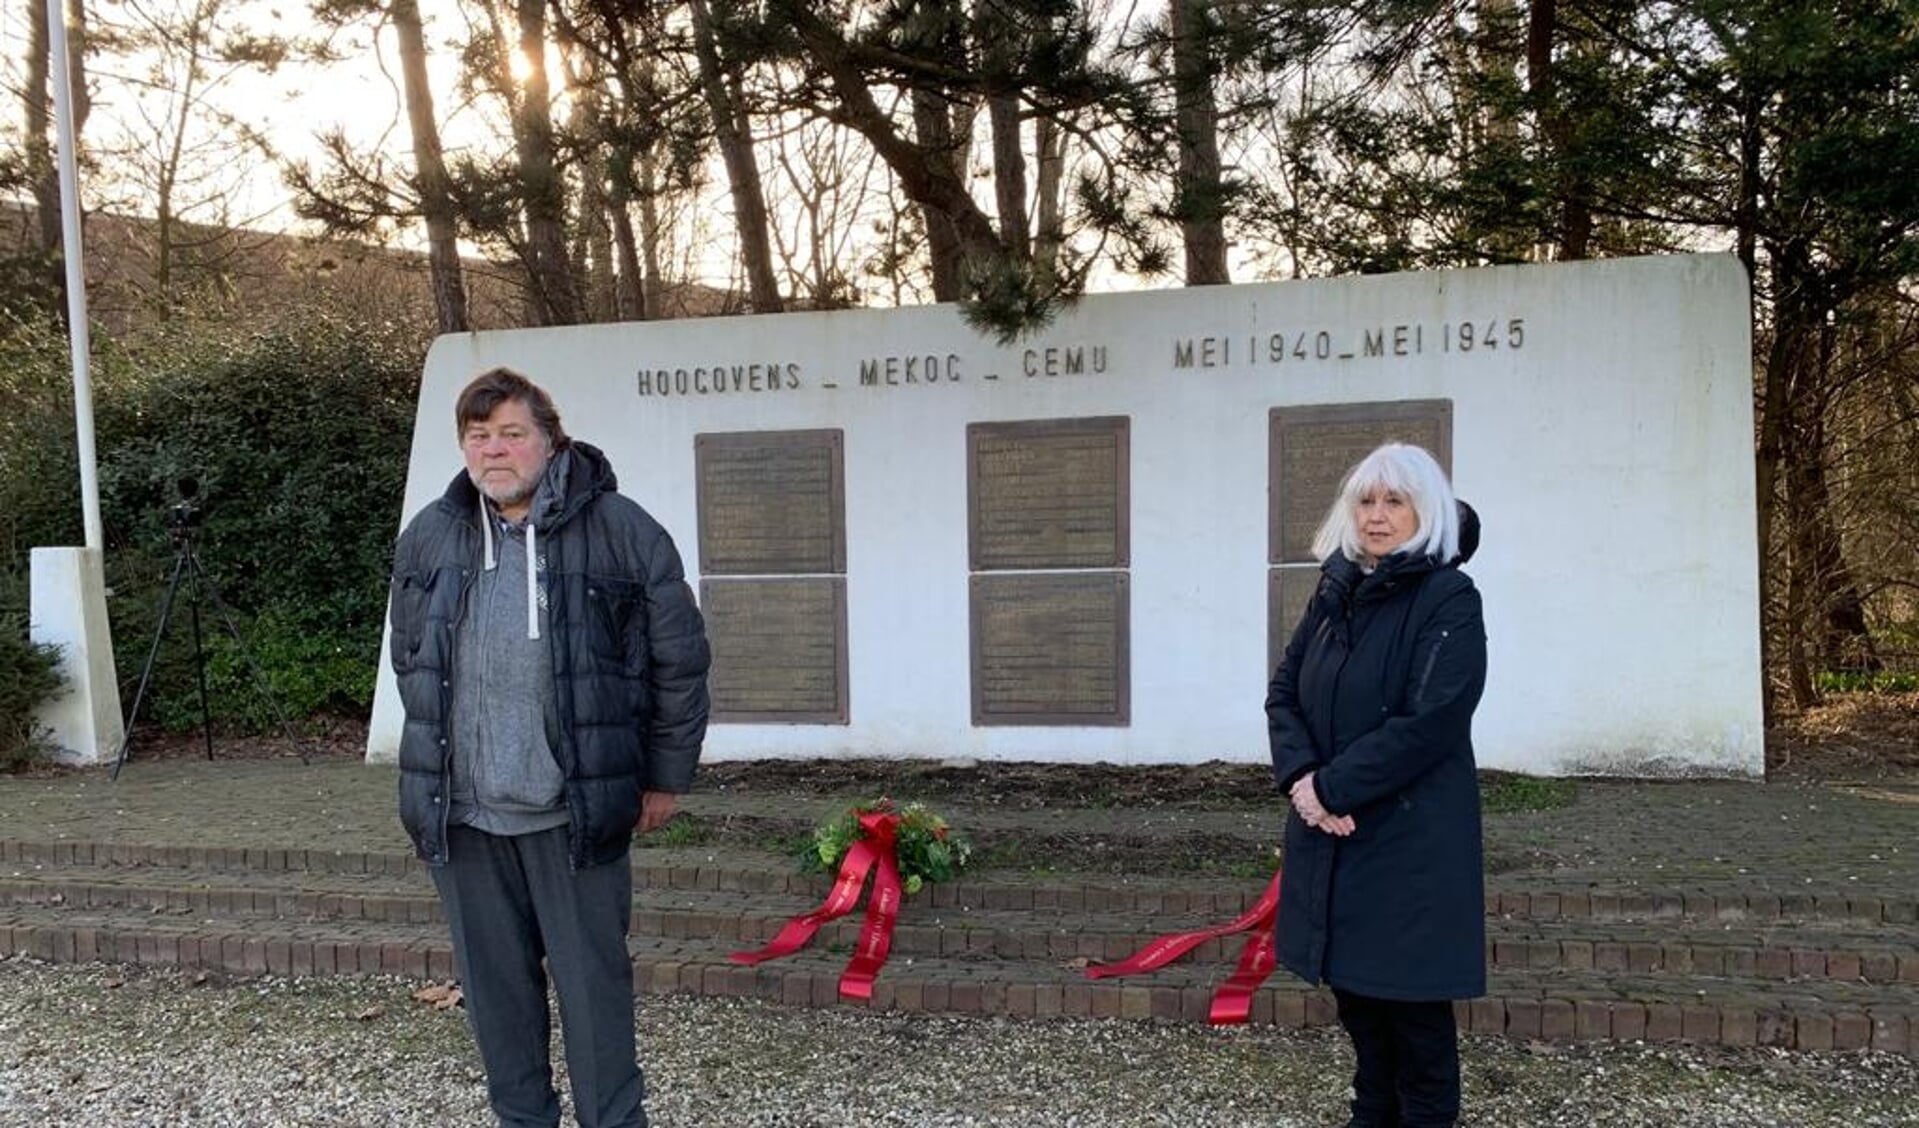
x,y
1314,814
655,808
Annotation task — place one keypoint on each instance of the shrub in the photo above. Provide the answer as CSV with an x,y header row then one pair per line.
x,y
306,672
29,675
298,442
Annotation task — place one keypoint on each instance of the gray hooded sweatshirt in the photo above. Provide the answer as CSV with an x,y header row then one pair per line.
x,y
505,729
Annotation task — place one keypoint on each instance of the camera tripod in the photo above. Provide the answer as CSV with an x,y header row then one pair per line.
x,y
186,566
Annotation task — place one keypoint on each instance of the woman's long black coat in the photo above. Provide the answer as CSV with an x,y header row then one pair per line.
x,y
1376,696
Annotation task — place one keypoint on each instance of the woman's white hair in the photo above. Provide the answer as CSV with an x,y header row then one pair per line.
x,y
1413,474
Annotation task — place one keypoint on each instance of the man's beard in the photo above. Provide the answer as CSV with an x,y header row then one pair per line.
x,y
514,492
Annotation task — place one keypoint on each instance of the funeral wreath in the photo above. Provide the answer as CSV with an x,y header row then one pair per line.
x,y
925,848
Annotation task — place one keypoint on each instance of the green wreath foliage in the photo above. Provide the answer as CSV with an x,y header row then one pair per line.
x,y
924,846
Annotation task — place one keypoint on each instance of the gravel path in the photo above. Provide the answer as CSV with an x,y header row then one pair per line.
x,y
108,1045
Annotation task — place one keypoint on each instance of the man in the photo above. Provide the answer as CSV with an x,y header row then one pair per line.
x,y
552,665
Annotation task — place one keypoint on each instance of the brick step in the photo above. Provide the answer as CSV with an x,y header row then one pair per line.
x,y
1775,951
1886,954
204,894
1538,900
1554,1006
1014,889
1210,844
16,852
654,868
735,919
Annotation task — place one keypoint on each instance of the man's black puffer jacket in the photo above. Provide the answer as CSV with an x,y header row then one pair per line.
x,y
629,656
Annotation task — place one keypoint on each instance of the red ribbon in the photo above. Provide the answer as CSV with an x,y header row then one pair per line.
x,y
872,853
1234,999
882,910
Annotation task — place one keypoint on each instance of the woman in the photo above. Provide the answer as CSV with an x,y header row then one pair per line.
x,y
1370,716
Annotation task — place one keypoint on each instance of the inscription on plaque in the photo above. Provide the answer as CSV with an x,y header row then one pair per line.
x,y
1048,494
1050,649
779,649
1313,447
772,506
771,502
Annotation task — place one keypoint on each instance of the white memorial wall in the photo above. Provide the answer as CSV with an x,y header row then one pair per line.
x,y
915,542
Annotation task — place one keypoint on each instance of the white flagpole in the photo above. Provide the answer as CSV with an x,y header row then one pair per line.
x,y
69,605
76,271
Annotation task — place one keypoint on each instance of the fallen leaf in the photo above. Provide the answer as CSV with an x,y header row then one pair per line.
x,y
112,983
371,1013
442,996
1077,963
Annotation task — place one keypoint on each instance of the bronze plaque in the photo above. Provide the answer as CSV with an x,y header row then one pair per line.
x,y
771,502
1289,590
1048,494
779,649
1312,448
1051,649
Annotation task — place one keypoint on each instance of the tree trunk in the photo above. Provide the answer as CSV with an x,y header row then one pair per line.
x,y
1770,464
444,271
999,35
943,130
1009,173
1824,609
42,169
1495,61
556,295
629,293
1050,234
36,100
1842,640
194,43
1492,58
1746,207
1573,188
1200,193
1798,663
933,129
596,237
595,253
733,132
77,63
653,283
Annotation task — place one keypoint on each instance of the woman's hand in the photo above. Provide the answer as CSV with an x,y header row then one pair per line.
x,y
1314,814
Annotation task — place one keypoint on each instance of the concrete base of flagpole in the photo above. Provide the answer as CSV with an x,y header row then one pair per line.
x,y
389,715
70,611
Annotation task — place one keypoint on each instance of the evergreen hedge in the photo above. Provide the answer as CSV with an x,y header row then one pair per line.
x,y
298,443
28,676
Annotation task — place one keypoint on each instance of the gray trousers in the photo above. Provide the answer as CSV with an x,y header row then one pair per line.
x,y
511,902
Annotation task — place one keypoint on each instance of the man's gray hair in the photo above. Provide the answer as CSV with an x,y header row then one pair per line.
x,y
1413,474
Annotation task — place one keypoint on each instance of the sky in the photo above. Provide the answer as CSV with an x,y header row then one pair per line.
x,y
137,100
134,95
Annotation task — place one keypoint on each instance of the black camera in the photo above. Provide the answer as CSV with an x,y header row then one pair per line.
x,y
184,515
